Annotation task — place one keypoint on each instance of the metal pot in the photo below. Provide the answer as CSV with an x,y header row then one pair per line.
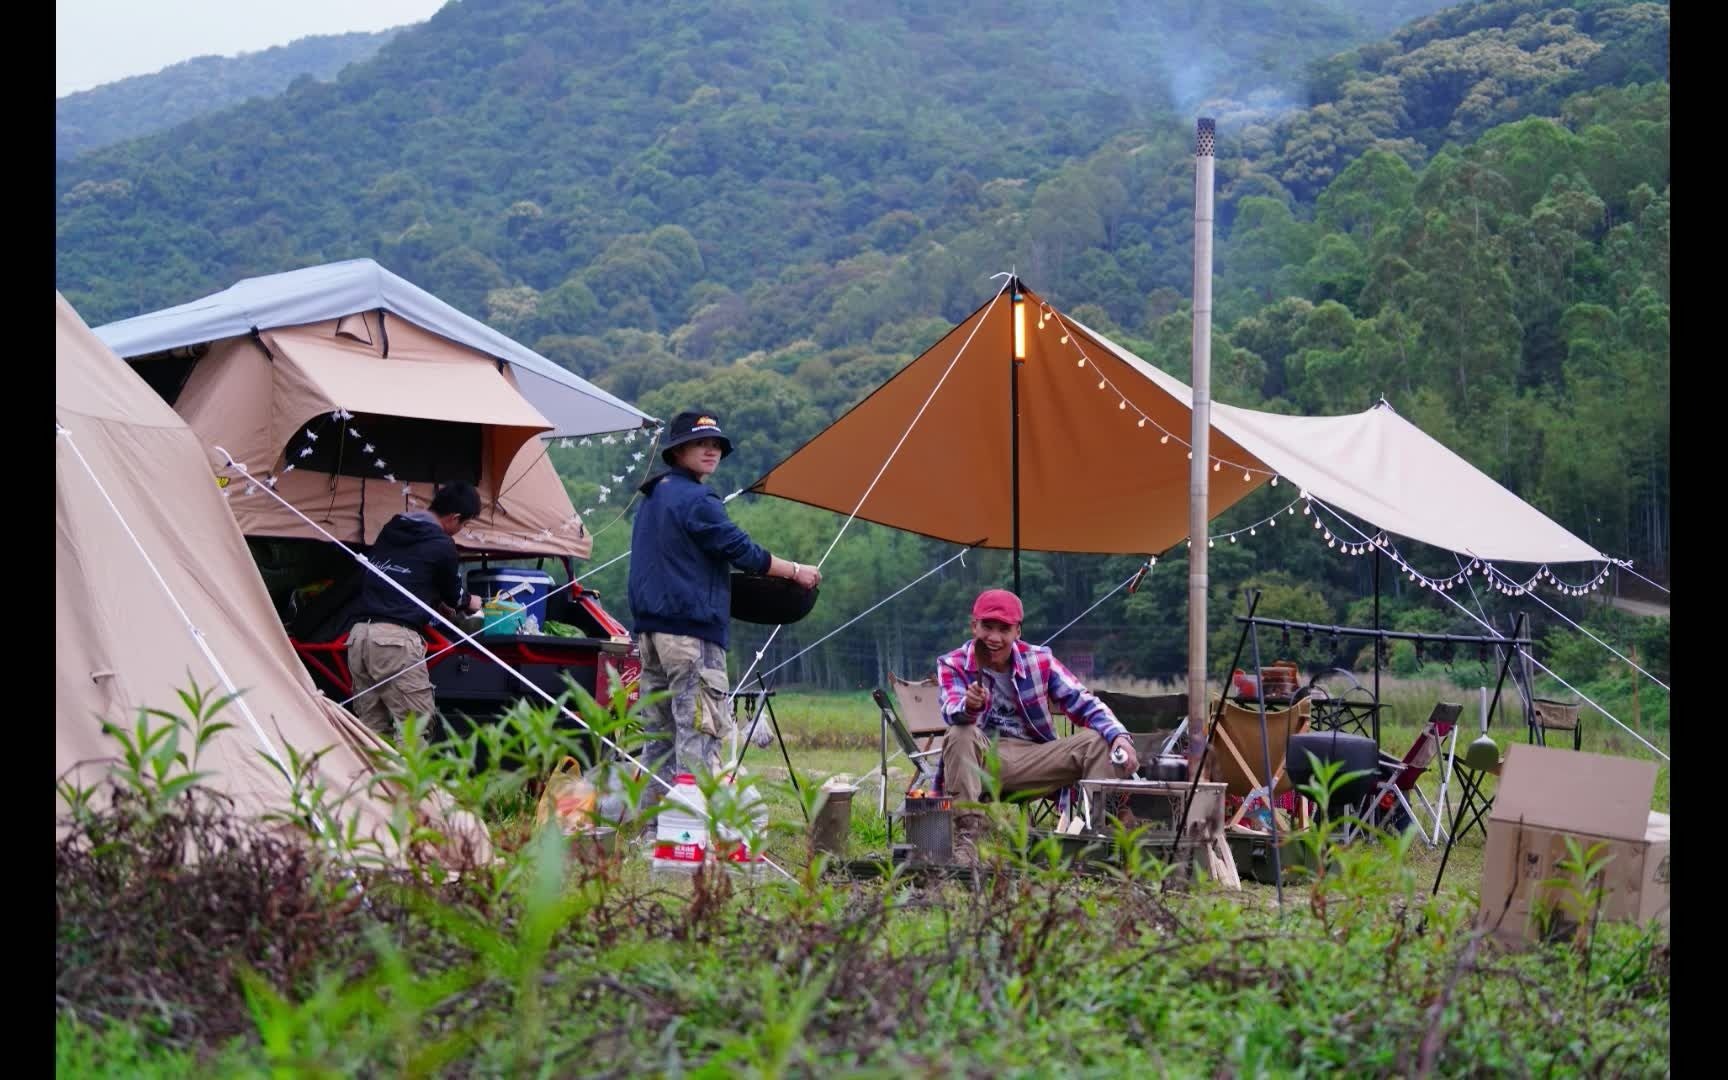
x,y
1165,767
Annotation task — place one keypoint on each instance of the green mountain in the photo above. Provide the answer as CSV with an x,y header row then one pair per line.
x,y
768,206
519,143
132,107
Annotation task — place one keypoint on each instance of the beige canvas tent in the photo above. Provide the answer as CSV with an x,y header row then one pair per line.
x,y
154,588
355,394
1103,458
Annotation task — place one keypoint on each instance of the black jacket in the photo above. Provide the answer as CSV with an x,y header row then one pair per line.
x,y
413,549
682,549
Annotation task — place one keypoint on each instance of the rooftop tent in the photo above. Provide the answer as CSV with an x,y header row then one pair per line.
x,y
570,404
1102,457
120,642
361,412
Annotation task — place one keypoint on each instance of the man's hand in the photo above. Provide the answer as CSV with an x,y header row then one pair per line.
x,y
1126,743
807,576
474,603
977,698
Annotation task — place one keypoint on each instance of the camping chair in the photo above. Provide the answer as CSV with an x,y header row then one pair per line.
x,y
1239,743
920,705
924,759
1547,715
1155,722
916,710
1473,802
1399,779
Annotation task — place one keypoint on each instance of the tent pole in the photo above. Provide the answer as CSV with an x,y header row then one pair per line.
x,y
1016,357
1266,757
1199,435
1377,640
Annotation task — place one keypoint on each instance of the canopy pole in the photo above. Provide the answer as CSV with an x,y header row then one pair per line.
x,y
1015,359
1199,438
1377,641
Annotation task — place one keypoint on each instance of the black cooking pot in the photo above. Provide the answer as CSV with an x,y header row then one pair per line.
x,y
1165,767
770,601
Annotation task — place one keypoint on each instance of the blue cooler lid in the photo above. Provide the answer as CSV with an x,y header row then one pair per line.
x,y
488,581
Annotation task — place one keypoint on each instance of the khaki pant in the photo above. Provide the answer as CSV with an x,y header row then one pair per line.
x,y
683,729
1026,766
376,652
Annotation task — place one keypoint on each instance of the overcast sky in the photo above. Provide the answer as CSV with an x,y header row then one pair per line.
x,y
98,41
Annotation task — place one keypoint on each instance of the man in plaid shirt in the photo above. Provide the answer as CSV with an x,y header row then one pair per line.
x,y
998,689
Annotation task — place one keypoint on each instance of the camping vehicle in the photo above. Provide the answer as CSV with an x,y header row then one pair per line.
x,y
319,585
332,398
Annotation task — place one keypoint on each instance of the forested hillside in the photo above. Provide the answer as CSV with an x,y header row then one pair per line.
x,y
768,206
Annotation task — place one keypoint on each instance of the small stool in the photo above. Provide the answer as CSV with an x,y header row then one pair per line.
x,y
1472,801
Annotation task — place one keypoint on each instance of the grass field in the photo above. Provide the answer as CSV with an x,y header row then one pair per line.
x,y
250,961
837,735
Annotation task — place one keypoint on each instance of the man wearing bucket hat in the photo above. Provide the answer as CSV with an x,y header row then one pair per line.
x,y
997,690
386,654
682,548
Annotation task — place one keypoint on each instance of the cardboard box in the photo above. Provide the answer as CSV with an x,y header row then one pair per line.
x,y
1547,794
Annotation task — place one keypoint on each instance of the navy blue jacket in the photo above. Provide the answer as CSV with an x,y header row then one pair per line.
x,y
682,549
414,550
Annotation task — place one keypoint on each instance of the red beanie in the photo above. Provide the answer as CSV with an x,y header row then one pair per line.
x,y
998,604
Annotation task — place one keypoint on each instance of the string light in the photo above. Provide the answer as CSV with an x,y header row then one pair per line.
x,y
1050,314
344,419
1252,528
1496,579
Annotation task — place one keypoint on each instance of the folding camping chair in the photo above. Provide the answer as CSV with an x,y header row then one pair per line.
x,y
1239,743
1399,778
925,759
916,711
1155,722
1548,715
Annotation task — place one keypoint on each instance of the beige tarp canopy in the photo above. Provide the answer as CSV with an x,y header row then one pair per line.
x,y
1103,454
120,644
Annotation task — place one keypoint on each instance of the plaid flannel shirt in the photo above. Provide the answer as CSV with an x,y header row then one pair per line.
x,y
1040,680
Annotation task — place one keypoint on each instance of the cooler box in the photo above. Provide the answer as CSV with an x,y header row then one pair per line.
x,y
487,582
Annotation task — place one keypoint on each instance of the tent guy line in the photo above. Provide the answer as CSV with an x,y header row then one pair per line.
x,y
191,627
479,647
1491,629
862,499
507,617
1495,570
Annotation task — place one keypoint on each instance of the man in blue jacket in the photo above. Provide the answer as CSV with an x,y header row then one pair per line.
x,y
682,549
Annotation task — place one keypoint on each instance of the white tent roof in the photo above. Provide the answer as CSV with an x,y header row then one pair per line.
x,y
573,405
1379,467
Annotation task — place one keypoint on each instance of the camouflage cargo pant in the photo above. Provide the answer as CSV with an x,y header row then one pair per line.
x,y
683,730
378,652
